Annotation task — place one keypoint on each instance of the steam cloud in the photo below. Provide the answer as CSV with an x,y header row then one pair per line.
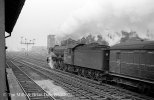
x,y
109,17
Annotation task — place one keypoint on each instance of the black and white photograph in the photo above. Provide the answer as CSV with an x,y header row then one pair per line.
x,y
76,49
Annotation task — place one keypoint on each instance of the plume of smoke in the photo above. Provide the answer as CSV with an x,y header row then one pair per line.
x,y
109,17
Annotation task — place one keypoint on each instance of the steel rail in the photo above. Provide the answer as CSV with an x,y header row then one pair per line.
x,y
28,85
93,88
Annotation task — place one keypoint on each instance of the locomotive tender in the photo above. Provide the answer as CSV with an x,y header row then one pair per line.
x,y
128,63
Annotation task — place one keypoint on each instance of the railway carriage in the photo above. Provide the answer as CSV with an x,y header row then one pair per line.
x,y
133,61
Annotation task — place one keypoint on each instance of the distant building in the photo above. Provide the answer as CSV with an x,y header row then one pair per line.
x,y
50,41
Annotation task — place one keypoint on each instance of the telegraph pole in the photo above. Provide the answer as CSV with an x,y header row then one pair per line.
x,y
31,42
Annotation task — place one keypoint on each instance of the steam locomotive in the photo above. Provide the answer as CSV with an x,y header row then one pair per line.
x,y
128,63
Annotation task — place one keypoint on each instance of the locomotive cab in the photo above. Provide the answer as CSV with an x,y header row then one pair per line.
x,y
69,53
68,56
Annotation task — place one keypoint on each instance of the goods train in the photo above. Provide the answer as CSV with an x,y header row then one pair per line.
x,y
129,63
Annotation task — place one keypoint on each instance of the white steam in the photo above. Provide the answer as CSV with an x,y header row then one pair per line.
x,y
107,17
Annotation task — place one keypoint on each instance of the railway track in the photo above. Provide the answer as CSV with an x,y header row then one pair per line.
x,y
30,88
85,89
42,63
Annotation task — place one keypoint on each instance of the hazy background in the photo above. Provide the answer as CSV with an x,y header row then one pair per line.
x,y
77,18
